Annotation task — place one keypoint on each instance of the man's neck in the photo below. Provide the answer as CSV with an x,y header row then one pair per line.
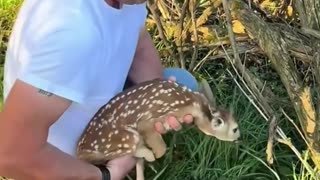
x,y
114,3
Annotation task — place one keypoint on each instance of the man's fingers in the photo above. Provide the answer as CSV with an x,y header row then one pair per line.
x,y
170,123
173,123
159,128
188,119
120,167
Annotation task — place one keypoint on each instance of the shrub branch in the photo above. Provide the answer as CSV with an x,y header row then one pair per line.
x,y
272,42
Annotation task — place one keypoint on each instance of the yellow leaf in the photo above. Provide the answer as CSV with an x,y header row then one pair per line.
x,y
204,16
150,24
290,11
310,116
206,34
238,27
170,30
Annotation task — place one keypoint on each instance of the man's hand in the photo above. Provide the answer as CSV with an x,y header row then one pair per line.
x,y
122,166
172,121
146,56
119,168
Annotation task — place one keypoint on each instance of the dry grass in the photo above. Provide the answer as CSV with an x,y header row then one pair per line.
x,y
195,35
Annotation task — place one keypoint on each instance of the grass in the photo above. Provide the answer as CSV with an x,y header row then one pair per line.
x,y
191,155
8,12
194,156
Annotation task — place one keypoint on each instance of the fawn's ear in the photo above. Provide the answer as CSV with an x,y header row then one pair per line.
x,y
205,89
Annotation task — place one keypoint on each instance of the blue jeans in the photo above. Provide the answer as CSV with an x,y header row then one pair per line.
x,y
183,77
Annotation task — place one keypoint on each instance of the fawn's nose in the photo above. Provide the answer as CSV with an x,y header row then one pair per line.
x,y
235,129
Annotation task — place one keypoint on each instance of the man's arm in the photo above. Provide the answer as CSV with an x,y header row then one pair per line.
x,y
146,64
24,152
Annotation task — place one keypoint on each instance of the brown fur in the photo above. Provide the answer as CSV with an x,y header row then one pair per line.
x,y
130,117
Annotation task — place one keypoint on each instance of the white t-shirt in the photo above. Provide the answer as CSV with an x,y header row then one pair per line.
x,y
78,49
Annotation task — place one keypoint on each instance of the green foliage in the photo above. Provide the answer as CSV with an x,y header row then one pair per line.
x,y
192,155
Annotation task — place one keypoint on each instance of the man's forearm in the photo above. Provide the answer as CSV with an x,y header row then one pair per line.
x,y
146,64
48,163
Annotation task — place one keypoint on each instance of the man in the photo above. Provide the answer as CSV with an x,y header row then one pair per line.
x,y
64,60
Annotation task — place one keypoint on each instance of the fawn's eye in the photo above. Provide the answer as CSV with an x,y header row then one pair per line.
x,y
218,122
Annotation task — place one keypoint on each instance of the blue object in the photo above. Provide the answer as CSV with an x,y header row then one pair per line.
x,y
182,76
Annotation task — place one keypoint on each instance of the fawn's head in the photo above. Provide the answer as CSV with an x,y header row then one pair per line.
x,y
217,122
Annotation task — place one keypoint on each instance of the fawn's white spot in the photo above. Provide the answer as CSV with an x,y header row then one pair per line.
x,y
143,101
110,134
126,145
195,104
96,147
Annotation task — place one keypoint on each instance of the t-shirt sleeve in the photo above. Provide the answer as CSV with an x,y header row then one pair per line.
x,y
56,61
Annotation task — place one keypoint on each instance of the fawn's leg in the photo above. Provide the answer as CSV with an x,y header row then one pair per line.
x,y
140,169
152,138
144,152
155,141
